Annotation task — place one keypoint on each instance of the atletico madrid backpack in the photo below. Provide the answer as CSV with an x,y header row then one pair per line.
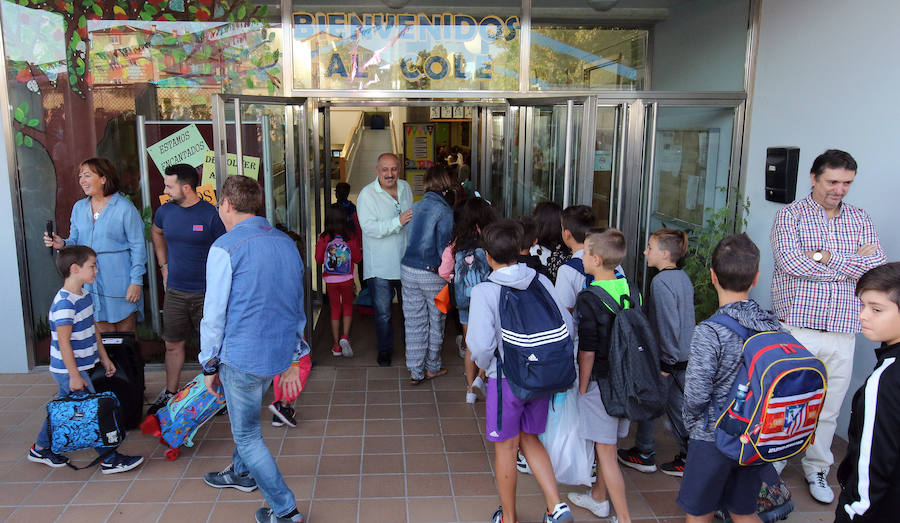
x,y
785,389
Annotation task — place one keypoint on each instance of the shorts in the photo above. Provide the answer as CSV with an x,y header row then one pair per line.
x,y
182,312
518,415
596,424
713,481
463,316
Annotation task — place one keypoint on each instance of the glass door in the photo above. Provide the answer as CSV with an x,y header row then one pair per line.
x,y
274,150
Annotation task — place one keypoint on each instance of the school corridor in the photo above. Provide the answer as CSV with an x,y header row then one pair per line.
x,y
368,448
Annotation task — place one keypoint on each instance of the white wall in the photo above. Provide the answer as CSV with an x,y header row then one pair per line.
x,y
342,123
13,352
826,77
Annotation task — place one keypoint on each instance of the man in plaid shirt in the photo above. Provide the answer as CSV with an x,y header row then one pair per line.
x,y
822,246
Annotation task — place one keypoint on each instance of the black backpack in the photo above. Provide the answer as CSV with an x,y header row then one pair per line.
x,y
634,387
538,353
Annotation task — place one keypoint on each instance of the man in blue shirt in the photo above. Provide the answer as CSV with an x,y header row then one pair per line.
x,y
384,208
252,330
183,230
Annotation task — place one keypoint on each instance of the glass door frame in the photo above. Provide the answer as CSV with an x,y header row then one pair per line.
x,y
296,153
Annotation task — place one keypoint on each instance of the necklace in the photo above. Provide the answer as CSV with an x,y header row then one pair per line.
x,y
98,211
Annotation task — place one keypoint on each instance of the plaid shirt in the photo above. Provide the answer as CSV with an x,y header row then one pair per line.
x,y
815,295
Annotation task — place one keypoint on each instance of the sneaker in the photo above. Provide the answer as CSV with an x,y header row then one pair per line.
x,y
161,401
560,513
674,467
478,383
497,517
346,349
227,478
384,359
521,464
459,346
634,459
779,466
119,463
336,350
471,397
276,421
284,413
47,457
265,515
818,487
586,501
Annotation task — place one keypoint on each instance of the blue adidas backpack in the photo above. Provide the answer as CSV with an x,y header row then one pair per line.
x,y
538,353
786,390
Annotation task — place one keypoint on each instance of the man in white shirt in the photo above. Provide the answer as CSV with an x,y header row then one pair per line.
x,y
383,209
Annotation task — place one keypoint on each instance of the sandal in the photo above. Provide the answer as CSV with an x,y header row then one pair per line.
x,y
440,372
414,381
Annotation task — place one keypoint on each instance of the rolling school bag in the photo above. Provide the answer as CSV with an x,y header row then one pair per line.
x,y
128,381
538,353
84,420
187,411
784,387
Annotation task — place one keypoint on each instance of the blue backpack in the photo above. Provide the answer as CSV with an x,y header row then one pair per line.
x,y
578,265
786,390
177,423
84,420
470,267
538,353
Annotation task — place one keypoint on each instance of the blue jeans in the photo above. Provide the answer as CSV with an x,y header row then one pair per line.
x,y
62,380
645,437
382,295
243,396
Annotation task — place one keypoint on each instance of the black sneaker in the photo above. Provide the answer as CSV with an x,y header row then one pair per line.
x,y
266,515
161,401
283,415
634,459
119,463
227,478
47,457
384,359
674,467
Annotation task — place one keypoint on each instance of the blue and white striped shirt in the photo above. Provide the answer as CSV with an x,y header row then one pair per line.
x,y
77,311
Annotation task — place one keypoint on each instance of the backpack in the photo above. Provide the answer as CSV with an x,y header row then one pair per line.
x,y
538,354
337,257
787,386
470,267
634,388
184,414
84,420
578,265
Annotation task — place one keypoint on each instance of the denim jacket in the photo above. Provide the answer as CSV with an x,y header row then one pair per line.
x,y
253,313
429,233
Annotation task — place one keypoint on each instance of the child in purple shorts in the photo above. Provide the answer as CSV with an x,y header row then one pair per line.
x,y
522,420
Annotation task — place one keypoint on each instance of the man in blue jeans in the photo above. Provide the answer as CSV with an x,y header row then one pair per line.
x,y
383,209
252,330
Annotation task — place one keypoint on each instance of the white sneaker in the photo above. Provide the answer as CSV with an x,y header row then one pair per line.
x,y
346,349
779,466
471,397
459,346
522,464
478,383
586,501
818,487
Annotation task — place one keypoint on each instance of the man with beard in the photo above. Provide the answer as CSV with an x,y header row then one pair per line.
x,y
183,230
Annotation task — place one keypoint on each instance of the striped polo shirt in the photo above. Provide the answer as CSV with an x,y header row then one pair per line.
x,y
77,311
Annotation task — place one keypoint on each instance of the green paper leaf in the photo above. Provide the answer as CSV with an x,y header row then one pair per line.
x,y
34,122
28,141
19,138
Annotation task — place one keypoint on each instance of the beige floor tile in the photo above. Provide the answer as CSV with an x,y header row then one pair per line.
x,y
333,510
334,487
193,490
459,426
378,412
349,398
12,494
382,510
136,513
385,427
420,485
149,491
464,443
469,462
343,445
432,510
419,444
382,444
419,411
479,484
33,514
301,486
162,469
426,463
383,464
99,492
480,509
23,471
421,427
382,385
234,512
344,428
383,397
341,386
312,413
383,486
186,512
86,514
339,465
417,396
199,466
307,428
346,412
301,446
298,465
307,399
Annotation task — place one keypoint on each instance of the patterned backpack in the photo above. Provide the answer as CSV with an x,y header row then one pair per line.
x,y
187,411
84,420
337,257
470,268
785,389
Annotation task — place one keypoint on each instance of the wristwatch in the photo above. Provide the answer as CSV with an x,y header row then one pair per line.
x,y
817,256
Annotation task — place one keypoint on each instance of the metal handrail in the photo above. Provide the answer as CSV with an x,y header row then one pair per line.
x,y
348,153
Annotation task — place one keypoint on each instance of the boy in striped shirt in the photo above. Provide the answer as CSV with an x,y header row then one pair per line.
x,y
75,348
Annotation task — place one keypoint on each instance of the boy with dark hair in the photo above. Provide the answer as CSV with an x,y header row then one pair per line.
x,y
522,421
870,475
577,220
75,348
529,240
603,252
712,480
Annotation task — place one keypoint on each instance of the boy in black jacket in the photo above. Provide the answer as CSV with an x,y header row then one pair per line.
x,y
870,473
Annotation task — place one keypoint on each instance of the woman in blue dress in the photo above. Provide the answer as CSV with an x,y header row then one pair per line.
x,y
110,224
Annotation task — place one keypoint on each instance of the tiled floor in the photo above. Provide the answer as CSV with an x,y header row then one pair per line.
x,y
369,448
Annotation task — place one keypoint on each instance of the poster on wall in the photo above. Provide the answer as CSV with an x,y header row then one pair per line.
x,y
418,154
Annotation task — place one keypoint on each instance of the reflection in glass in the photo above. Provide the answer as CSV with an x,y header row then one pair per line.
x,y
605,166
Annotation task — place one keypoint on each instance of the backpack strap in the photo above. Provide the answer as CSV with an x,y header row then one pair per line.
x,y
634,295
732,324
98,459
606,298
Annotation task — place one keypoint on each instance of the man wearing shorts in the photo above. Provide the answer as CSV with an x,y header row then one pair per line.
x,y
183,230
